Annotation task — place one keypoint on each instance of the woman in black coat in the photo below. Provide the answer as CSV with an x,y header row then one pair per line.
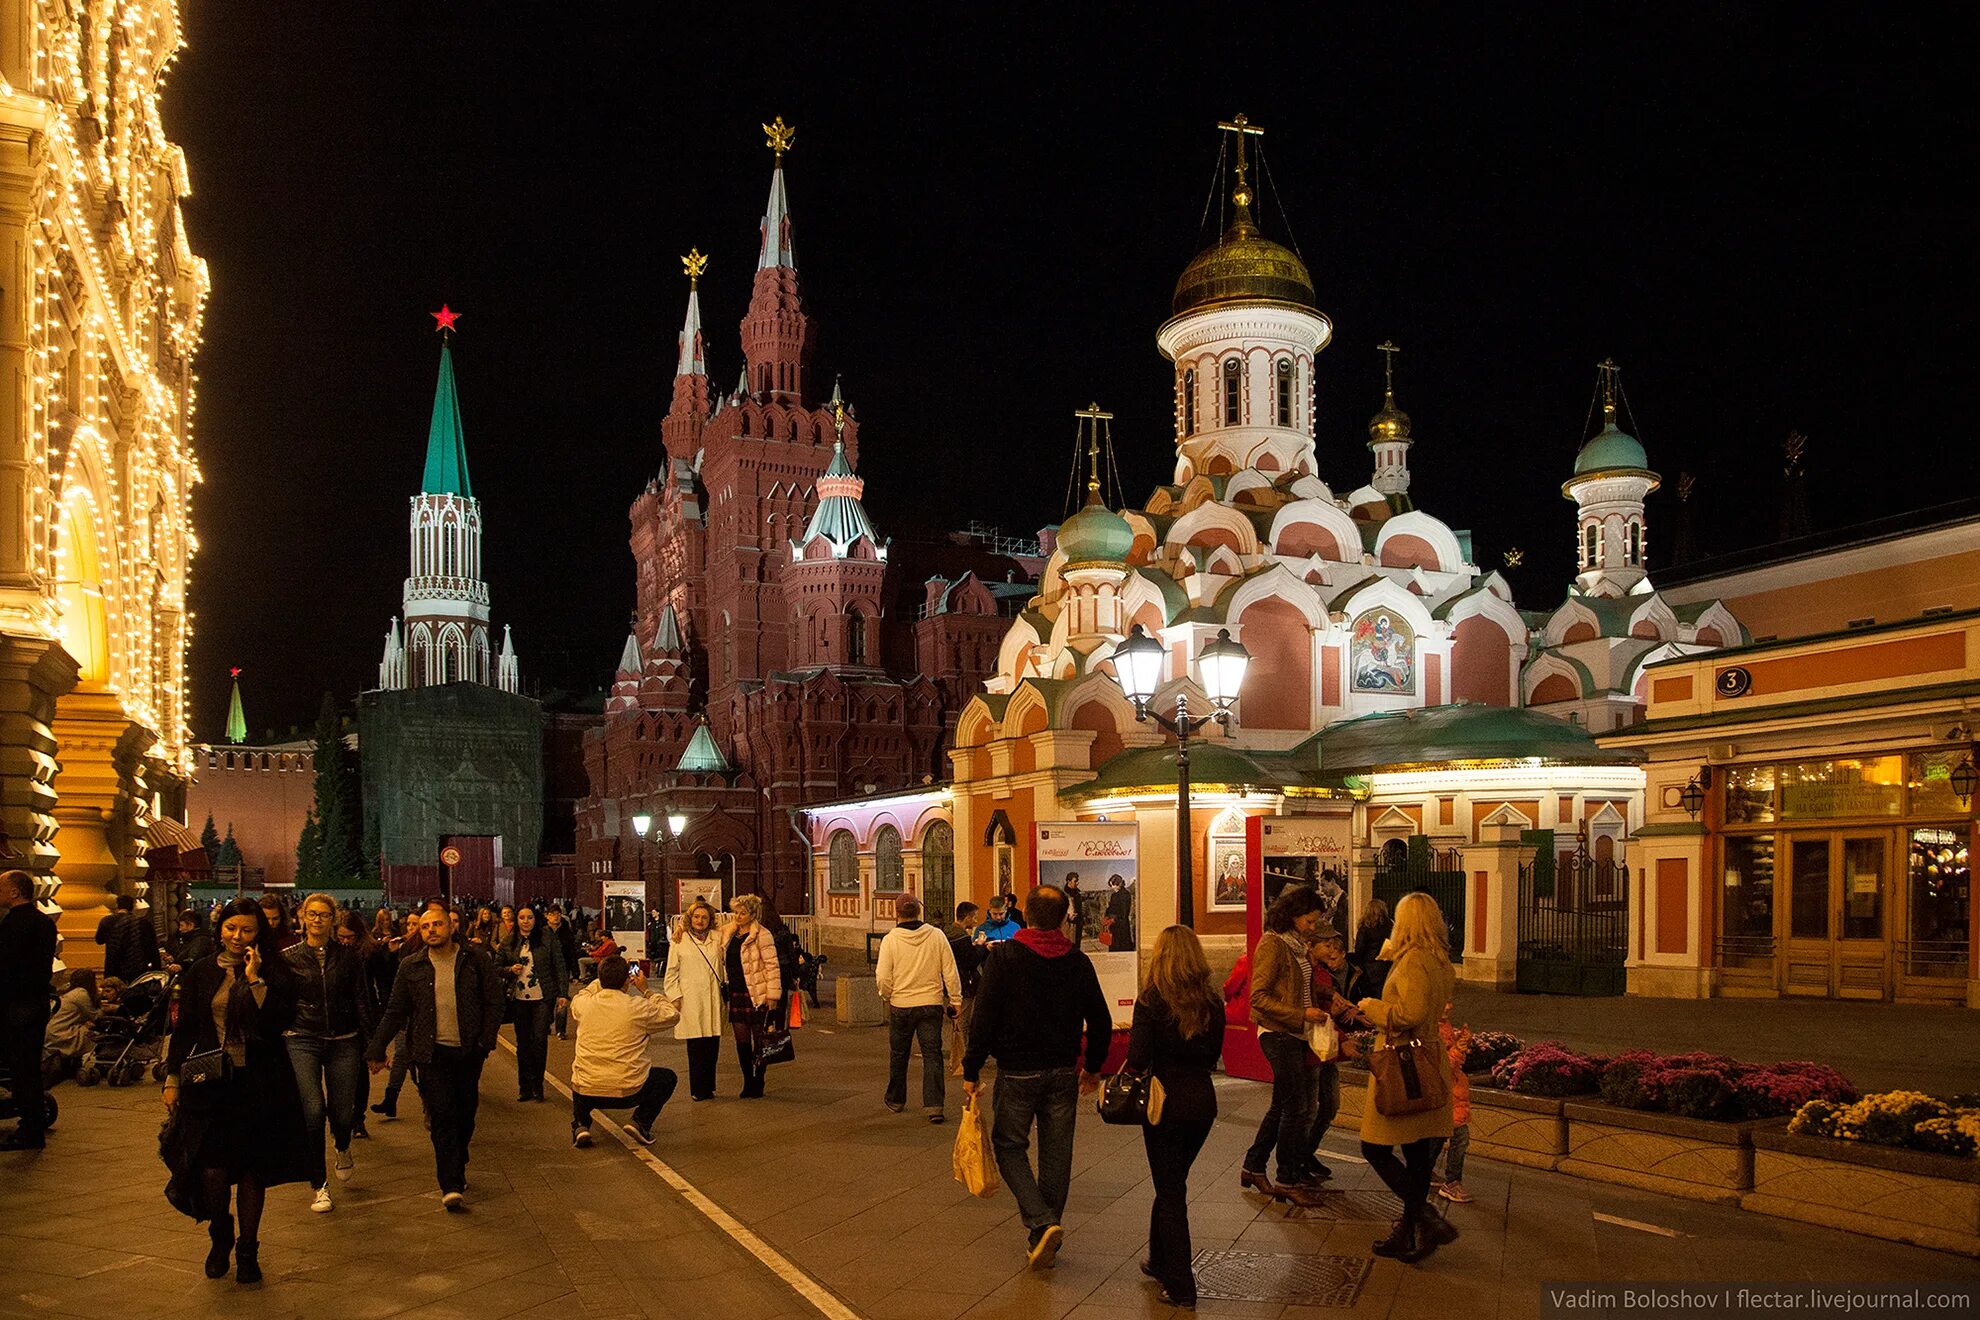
x,y
243,1126
1178,1033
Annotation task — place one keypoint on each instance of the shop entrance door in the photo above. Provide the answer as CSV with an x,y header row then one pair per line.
x,y
1837,913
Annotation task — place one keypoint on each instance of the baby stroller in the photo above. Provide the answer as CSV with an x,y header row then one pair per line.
x,y
124,1042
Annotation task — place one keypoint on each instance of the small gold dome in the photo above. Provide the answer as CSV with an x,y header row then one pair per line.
x,y
1244,266
1392,423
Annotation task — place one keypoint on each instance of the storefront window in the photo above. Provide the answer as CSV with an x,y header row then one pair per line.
x,y
1859,786
1863,889
1940,880
1930,777
1747,915
1749,794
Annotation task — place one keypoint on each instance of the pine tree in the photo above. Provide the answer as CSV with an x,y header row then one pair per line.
x,y
309,849
338,820
230,852
209,839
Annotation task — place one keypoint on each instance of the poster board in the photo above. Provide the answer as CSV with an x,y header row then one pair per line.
x,y
625,916
705,887
1316,851
1103,856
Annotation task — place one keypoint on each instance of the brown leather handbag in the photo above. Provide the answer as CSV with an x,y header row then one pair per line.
x,y
1407,1078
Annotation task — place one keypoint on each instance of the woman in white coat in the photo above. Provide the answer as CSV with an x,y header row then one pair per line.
x,y
694,983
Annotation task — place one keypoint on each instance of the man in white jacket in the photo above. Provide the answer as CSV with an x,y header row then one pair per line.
x,y
917,977
614,1019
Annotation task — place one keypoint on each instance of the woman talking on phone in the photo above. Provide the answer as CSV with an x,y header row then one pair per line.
x,y
230,1087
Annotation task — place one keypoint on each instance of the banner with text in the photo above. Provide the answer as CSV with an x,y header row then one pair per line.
x,y
1094,862
625,916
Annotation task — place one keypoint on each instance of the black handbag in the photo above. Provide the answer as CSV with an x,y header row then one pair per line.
x,y
1131,1098
200,1069
775,1045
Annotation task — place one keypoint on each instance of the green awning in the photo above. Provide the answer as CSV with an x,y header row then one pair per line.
x,y
1211,763
1462,733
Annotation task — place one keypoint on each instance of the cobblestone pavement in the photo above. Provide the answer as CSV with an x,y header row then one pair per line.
x,y
858,1199
1877,1046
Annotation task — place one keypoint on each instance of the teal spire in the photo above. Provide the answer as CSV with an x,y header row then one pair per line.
x,y
702,755
446,446
236,718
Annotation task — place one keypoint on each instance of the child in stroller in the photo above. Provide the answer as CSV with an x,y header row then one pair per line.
x,y
131,1035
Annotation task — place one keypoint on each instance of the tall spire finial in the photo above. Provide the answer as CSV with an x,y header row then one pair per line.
x,y
1243,128
778,136
1090,418
1388,350
838,416
694,263
1608,369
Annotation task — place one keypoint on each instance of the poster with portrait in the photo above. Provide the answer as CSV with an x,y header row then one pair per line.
x,y
1096,861
707,888
1227,873
1382,653
625,916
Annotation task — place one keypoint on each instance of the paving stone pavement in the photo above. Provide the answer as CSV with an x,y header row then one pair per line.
x,y
859,1198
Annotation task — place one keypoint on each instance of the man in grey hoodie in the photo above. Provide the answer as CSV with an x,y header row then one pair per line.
x,y
917,977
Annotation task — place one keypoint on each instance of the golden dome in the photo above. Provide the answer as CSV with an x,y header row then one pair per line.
x,y
1244,266
1392,423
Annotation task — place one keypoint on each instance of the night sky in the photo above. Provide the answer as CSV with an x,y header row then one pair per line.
x,y
1764,215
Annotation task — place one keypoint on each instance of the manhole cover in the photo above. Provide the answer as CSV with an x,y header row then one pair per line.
x,y
1374,1207
1243,1276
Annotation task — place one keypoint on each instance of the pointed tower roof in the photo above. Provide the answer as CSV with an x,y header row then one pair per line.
x,y
777,249
236,718
446,446
692,361
667,636
629,661
702,755
840,517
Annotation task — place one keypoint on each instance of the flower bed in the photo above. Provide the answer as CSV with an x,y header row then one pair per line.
x,y
1549,1068
1897,1118
1882,1190
1712,1086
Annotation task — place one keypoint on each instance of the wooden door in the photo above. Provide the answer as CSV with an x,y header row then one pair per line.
x,y
1840,889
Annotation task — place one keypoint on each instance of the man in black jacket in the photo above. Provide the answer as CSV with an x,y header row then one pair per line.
x,y
448,996
130,942
1038,994
27,961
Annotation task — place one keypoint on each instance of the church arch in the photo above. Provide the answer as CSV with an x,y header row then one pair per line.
x,y
1278,689
842,863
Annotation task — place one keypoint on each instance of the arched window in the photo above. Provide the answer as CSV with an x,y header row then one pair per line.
x,y
938,871
1189,401
842,865
887,861
1232,384
1591,545
1633,546
855,637
1285,392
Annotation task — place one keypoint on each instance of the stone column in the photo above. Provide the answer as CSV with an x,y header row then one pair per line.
x,y
1491,942
34,672
100,797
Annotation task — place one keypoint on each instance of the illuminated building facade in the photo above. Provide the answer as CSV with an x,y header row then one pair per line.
x,y
101,301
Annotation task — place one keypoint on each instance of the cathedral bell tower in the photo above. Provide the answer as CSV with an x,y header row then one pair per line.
x,y
1388,433
680,431
776,334
1611,478
837,569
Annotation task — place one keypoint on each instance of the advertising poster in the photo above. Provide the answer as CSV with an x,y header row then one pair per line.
x,y
707,888
1314,851
625,916
1096,860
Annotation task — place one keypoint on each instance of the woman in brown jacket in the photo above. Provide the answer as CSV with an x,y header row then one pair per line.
x,y
1282,1006
1413,998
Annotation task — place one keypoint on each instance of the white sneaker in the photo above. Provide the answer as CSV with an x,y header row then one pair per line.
x,y
345,1166
322,1205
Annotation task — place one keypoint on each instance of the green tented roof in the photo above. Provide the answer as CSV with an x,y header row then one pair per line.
x,y
1464,732
1210,763
446,445
236,719
702,756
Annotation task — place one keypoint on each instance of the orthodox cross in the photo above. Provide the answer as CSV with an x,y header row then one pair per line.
x,y
1243,128
1093,414
778,136
1608,369
694,263
1388,350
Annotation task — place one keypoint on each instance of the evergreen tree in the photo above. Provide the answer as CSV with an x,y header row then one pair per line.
x,y
338,819
209,839
308,850
230,852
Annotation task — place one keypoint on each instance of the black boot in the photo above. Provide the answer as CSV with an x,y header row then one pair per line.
x,y
247,1261
1427,1239
1437,1227
221,1230
1401,1242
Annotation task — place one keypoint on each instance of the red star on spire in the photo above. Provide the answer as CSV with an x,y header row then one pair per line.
x,y
444,318
235,672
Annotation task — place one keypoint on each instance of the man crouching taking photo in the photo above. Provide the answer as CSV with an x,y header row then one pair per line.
x,y
614,1018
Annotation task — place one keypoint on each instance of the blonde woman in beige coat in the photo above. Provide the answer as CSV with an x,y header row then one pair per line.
x,y
1418,986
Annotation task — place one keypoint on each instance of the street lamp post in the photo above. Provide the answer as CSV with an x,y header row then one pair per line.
x,y
641,823
1220,667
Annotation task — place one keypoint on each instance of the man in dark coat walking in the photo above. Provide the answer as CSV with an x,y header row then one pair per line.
x,y
130,942
448,996
27,961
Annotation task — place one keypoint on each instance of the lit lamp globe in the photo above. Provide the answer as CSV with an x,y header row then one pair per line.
x,y
1138,666
1221,666
676,822
641,824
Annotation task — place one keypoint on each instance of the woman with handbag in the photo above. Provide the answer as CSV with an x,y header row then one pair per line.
x,y
1409,1082
694,983
756,985
236,1116
538,985
1282,1008
1178,1034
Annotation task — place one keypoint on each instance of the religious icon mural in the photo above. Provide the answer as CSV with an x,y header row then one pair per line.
x,y
1382,654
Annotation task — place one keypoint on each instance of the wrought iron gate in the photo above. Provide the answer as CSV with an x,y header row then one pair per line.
x,y
1440,874
1573,924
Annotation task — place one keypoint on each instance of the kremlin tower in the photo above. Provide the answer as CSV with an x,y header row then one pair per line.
x,y
445,636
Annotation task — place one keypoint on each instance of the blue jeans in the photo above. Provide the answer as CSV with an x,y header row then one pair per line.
x,y
1051,1099
904,1026
334,1064
1288,1124
1327,1084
